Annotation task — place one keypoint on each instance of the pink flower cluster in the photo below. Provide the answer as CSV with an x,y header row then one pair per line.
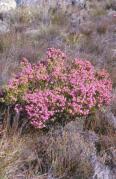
x,y
55,86
42,105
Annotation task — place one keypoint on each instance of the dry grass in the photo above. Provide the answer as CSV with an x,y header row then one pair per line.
x,y
9,153
56,153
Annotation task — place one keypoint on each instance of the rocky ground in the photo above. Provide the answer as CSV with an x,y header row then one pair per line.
x,y
80,150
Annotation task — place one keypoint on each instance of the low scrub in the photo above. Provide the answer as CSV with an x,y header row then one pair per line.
x,y
56,89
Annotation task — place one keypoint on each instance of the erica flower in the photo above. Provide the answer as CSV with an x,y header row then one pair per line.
x,y
54,86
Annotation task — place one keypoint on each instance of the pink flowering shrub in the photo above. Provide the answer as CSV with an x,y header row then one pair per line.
x,y
55,86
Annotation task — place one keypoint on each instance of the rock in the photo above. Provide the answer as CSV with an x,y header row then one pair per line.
x,y
4,27
111,119
103,172
73,2
7,5
26,2
78,2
